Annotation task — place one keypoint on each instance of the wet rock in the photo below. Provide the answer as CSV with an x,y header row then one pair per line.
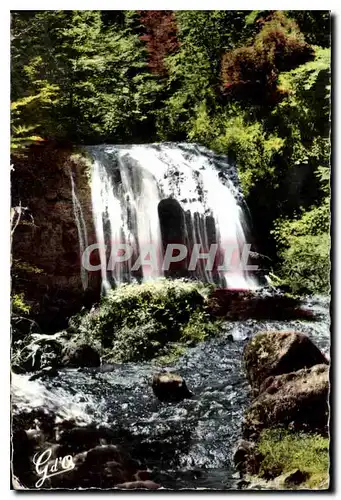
x,y
76,438
296,477
275,353
97,463
103,467
138,485
47,372
37,352
106,453
81,356
246,457
257,304
142,475
242,484
170,387
242,451
298,400
17,369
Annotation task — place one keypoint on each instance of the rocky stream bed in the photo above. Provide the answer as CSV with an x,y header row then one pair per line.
x,y
112,409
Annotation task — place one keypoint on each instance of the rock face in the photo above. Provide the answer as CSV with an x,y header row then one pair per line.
x,y
258,304
275,353
170,387
46,251
298,400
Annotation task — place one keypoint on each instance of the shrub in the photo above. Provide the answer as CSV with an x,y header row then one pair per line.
x,y
136,322
304,248
306,264
252,71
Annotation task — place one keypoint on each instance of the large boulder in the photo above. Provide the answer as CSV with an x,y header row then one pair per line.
x,y
170,387
298,400
246,457
275,353
81,355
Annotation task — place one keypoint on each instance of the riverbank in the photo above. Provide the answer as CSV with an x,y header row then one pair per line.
x,y
286,427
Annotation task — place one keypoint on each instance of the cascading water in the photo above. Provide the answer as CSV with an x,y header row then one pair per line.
x,y
81,228
134,188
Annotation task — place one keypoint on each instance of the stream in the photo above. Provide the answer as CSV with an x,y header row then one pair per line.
x,y
188,444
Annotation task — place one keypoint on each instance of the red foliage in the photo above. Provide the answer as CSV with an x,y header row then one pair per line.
x,y
252,72
160,37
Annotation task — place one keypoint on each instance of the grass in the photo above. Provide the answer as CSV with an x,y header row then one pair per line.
x,y
285,451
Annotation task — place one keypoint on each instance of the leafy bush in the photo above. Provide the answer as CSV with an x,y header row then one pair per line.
x,y
252,71
136,322
306,264
304,245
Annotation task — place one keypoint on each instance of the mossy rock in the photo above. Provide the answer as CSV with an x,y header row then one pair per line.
x,y
80,355
170,387
275,353
297,399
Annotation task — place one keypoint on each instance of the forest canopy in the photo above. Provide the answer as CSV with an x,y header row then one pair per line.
x,y
254,85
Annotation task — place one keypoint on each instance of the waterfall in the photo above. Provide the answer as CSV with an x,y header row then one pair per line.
x,y
81,228
147,196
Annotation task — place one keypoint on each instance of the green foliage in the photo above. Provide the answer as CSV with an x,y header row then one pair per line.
x,y
304,116
20,266
19,305
198,328
22,135
194,71
136,322
251,72
286,451
248,145
314,24
93,77
305,250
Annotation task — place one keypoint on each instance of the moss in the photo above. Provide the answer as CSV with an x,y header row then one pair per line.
x,y
174,352
137,322
257,352
284,452
81,155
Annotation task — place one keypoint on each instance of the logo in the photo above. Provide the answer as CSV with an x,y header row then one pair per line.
x,y
223,258
46,469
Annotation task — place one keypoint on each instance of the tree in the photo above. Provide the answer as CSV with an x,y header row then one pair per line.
x,y
94,72
160,38
251,72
